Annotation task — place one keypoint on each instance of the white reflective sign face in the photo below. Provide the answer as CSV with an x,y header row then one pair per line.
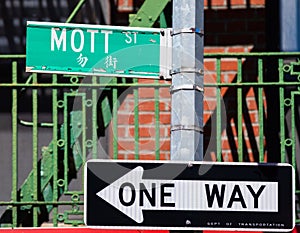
x,y
131,194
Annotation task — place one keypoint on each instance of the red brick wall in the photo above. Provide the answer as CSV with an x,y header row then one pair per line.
x,y
233,26
125,5
146,123
224,4
230,26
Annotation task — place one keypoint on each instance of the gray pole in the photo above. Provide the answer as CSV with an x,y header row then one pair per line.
x,y
187,81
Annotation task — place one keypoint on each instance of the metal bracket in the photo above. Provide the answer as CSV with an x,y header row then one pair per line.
x,y
187,70
185,87
188,30
187,127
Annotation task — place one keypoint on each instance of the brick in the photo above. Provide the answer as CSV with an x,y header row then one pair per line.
x,y
147,132
210,64
224,77
165,145
237,49
123,106
125,119
232,126
167,105
164,156
226,146
255,129
166,132
224,91
258,2
126,156
168,128
231,78
165,118
248,143
214,49
130,131
229,65
145,106
238,2
249,48
251,92
168,82
164,92
122,132
209,105
126,145
125,4
251,156
146,156
210,92
253,116
149,105
121,156
130,95
227,157
218,3
146,92
209,77
146,118
251,104
130,156
147,144
146,81
126,105
206,112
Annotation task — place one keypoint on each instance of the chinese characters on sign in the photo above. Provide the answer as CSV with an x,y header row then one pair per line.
x,y
111,61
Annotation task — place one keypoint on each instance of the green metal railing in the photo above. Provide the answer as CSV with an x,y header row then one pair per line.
x,y
82,108
261,82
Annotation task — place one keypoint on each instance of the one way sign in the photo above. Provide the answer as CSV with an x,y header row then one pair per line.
x,y
196,195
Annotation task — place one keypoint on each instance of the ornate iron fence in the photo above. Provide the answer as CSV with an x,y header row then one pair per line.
x,y
55,123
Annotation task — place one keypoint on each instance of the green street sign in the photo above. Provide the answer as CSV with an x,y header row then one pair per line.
x,y
98,50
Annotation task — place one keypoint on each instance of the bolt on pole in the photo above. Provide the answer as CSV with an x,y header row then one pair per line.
x,y
187,81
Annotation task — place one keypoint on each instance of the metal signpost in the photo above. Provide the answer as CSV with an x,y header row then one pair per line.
x,y
97,50
189,196
187,80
